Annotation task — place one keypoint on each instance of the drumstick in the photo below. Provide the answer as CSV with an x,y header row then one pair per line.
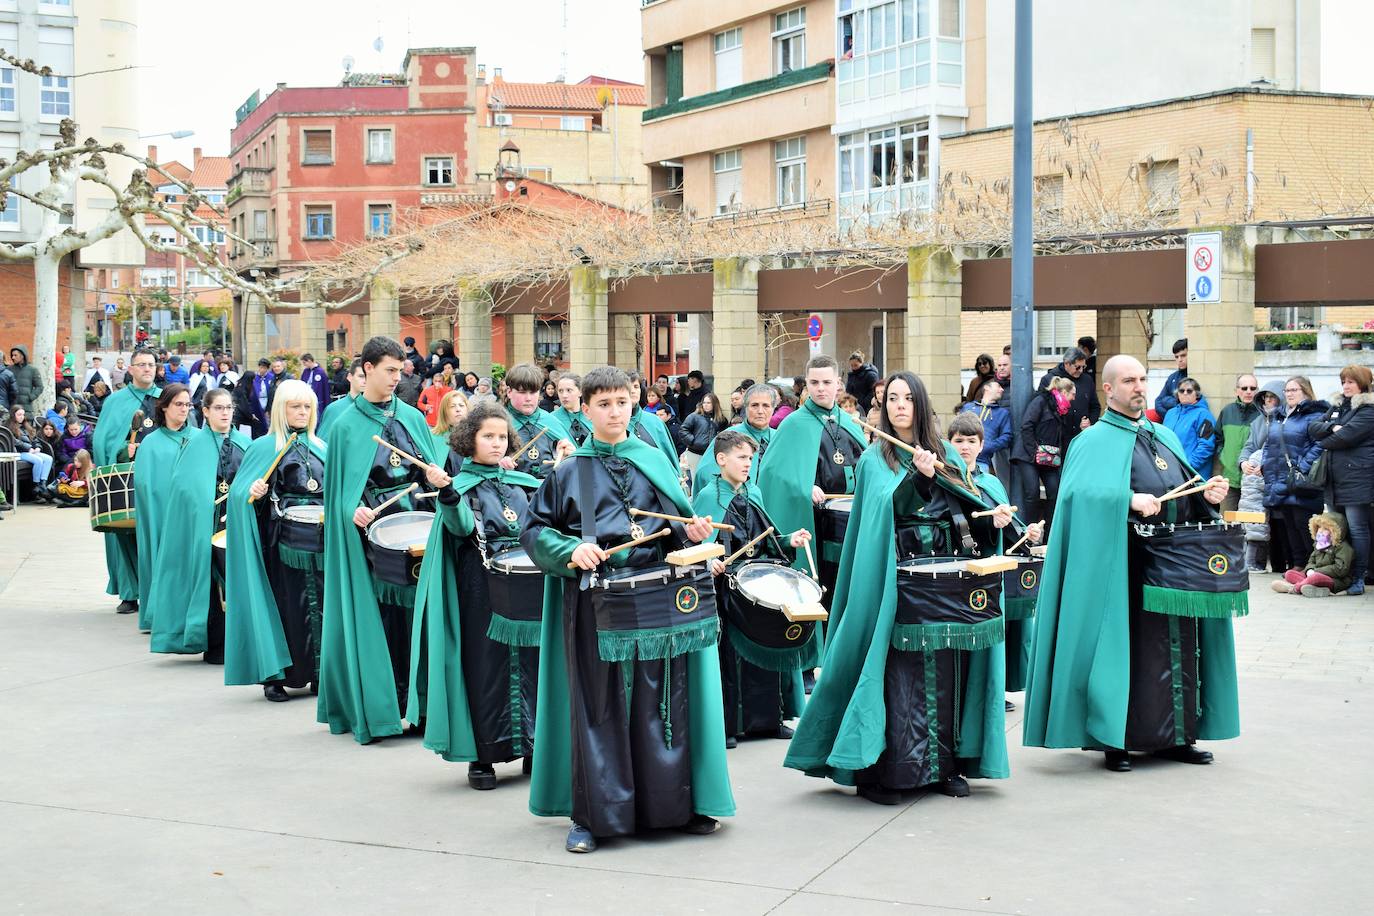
x,y
811,561
402,452
678,518
895,441
405,492
136,421
1021,541
1187,483
986,512
837,496
1175,494
428,494
635,543
736,555
222,499
272,468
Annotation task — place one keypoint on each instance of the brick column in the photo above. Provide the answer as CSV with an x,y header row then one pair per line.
x,y
519,339
895,339
624,351
312,316
1121,331
933,301
1221,335
254,331
384,317
587,319
474,329
737,346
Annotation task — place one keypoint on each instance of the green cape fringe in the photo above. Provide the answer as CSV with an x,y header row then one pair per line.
x,y
1181,603
521,634
300,559
657,643
923,637
784,661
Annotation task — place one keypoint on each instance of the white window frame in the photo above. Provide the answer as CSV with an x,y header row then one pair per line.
x,y
900,187
9,98
789,40
426,167
729,163
10,216
54,98
572,122
383,157
729,57
380,206
1053,332
789,170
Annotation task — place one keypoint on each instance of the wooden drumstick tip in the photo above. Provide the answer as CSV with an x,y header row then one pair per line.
x,y
986,512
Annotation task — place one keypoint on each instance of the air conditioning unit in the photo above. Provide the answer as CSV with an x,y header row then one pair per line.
x,y
501,120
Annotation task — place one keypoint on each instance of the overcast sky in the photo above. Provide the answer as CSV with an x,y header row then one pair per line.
x,y
202,60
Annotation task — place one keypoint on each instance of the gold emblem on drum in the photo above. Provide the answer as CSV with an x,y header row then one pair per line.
x,y
794,632
978,599
687,599
1217,565
1028,579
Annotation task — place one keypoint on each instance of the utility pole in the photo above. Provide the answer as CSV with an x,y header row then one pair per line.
x,y
1022,239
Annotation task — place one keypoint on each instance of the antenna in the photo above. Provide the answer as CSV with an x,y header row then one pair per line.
x,y
563,64
348,64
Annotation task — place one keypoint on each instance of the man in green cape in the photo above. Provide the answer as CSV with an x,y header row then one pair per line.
x,y
155,461
761,685
111,436
545,437
647,427
639,742
365,649
759,403
1118,665
569,411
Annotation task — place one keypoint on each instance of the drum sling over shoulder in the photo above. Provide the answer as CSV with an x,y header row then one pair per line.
x,y
516,599
1194,569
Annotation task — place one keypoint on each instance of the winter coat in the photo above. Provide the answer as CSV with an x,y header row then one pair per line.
x,y
996,428
1259,427
178,375
1334,561
1252,500
1233,429
1350,448
9,395
1195,428
409,386
432,369
860,384
780,414
1042,425
28,381
1085,403
697,431
1288,440
73,444
1167,400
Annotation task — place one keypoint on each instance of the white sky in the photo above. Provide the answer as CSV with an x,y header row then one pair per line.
x,y
202,60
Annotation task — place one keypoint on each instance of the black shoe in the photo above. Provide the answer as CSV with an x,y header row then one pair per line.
x,y
731,741
700,825
1011,707
216,659
953,785
127,606
276,693
1184,753
809,680
314,688
784,733
481,777
880,795
1118,761
580,839
527,764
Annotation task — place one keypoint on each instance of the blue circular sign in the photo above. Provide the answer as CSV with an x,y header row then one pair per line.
x,y
814,327
1203,287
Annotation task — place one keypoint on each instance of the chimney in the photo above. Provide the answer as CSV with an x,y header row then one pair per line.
x,y
496,75
152,152
481,73
195,157
281,85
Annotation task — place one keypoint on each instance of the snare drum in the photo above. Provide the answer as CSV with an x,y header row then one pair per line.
x,y
396,545
1194,569
657,612
762,588
111,490
302,528
1021,586
834,519
942,605
515,593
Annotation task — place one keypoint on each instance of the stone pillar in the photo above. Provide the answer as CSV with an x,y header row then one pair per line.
x,y
312,317
1121,331
474,330
587,319
624,351
737,350
384,317
254,331
1221,335
933,301
519,339
894,342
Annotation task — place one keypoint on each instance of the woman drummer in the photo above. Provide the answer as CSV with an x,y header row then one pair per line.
x,y
155,459
275,557
888,719
479,702
187,596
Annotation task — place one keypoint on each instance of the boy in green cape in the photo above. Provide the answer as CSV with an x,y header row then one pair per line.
x,y
1116,666
634,744
545,437
111,437
759,403
761,686
365,650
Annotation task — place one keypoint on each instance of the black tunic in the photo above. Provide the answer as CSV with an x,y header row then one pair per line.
x,y
536,459
299,592
227,465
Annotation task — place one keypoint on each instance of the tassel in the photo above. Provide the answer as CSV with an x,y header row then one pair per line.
x,y
927,637
521,634
661,642
1182,603
665,705
391,593
783,661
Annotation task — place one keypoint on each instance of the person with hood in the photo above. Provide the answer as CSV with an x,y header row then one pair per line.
x,y
28,381
313,374
1191,420
1167,400
1232,430
862,376
1347,435
1274,549
1330,567
9,395
569,412
996,420
155,461
443,356
1085,408
1290,451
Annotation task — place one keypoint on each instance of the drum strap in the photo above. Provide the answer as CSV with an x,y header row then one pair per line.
x,y
961,527
585,504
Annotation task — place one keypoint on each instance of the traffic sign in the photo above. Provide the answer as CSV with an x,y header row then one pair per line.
x,y
815,327
110,309
1204,267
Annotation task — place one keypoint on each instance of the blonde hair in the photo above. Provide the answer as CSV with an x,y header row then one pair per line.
x,y
293,391
441,424
1062,384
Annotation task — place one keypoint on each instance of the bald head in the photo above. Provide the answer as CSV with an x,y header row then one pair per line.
x,y
1123,380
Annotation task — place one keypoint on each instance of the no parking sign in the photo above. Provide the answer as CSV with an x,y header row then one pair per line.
x,y
1204,267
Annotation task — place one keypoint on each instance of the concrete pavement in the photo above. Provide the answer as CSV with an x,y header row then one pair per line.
x,y
138,783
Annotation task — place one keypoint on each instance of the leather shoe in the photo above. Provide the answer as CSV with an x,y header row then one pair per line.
x,y
127,606
276,693
731,741
481,777
880,795
809,680
1185,753
1118,761
527,764
784,733
1011,707
954,785
700,825
580,839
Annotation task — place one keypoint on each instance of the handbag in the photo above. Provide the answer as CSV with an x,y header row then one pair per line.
x,y
1313,481
1048,456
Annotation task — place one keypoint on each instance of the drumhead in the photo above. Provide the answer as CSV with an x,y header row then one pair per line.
x,y
840,505
219,539
310,514
401,531
774,585
934,566
514,560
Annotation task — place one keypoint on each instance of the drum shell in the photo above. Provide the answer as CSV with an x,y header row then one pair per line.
x,y
1207,558
658,604
1021,587
300,535
517,596
111,489
946,598
766,626
833,520
395,565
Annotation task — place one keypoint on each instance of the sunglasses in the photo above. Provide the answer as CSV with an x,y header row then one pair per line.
x,y
1187,391
1247,387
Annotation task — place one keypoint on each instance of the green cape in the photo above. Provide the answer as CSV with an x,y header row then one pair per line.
x,y
843,727
1078,688
357,687
255,649
788,470
568,419
179,601
155,460
436,644
111,435
542,419
551,785
329,416
707,469
657,431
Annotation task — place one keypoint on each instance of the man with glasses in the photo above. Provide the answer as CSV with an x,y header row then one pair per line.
x,y
1233,429
1085,408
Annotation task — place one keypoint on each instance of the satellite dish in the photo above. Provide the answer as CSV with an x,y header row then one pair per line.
x,y
510,186
377,44
348,63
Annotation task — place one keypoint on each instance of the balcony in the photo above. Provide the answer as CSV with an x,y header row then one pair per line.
x,y
249,182
261,253
786,80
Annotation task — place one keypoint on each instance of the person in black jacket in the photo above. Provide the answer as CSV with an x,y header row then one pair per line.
x,y
1037,455
1085,408
338,378
1346,432
443,355
699,429
860,381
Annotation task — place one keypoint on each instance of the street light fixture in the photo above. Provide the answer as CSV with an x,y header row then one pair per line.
x,y
174,134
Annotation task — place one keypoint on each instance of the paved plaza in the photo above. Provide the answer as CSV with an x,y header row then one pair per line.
x,y
138,783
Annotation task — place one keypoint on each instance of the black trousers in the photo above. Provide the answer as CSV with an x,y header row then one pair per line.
x,y
920,691
300,603
753,697
501,680
1030,477
1295,519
